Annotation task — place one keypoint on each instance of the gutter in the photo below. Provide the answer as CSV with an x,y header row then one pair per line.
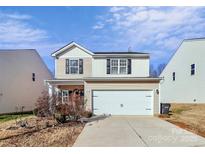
x,y
122,79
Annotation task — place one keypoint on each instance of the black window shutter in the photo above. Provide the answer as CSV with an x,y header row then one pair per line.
x,y
108,66
67,66
129,66
80,66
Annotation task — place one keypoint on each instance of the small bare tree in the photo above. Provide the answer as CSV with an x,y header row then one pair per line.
x,y
63,111
45,105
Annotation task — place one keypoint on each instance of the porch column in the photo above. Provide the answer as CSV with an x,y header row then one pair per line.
x,y
50,94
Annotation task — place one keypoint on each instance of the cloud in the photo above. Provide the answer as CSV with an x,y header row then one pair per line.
x,y
157,29
15,16
98,26
14,29
116,9
17,31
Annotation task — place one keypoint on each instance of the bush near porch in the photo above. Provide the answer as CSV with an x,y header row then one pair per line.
x,y
72,110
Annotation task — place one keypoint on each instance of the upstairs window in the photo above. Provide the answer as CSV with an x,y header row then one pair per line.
x,y
74,66
33,77
173,76
123,66
192,69
118,66
114,66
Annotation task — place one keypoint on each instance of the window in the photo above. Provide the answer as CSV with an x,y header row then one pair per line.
x,y
118,66
114,66
64,96
74,66
33,77
173,76
192,69
123,66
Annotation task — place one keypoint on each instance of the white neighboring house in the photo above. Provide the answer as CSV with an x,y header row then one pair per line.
x,y
116,83
184,75
22,75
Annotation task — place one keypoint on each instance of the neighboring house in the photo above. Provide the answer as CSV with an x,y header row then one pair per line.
x,y
22,75
116,83
184,75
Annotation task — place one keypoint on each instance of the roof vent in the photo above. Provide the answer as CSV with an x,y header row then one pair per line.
x,y
129,49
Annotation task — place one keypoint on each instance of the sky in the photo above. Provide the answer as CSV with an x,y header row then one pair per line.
x,y
156,30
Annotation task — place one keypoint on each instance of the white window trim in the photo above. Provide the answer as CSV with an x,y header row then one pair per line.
x,y
118,66
74,66
65,96
126,66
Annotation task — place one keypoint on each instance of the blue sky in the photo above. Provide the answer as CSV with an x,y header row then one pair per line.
x,y
157,30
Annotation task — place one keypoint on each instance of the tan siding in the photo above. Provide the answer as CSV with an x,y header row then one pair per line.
x,y
16,86
121,86
140,68
60,69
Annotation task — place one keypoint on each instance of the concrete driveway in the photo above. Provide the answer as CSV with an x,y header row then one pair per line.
x,y
135,131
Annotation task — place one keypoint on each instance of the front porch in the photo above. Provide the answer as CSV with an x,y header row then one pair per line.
x,y
66,91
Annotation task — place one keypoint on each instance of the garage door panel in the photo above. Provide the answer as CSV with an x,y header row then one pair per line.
x,y
123,102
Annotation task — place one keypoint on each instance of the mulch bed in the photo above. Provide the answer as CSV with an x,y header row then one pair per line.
x,y
43,132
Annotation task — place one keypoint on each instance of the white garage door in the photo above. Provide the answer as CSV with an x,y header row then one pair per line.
x,y
123,102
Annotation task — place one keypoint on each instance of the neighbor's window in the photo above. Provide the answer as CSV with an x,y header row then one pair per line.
x,y
192,69
118,66
33,77
173,76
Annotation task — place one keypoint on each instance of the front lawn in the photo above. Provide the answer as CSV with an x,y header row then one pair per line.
x,y
7,117
39,132
188,116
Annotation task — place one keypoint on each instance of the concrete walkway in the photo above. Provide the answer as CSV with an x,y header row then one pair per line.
x,y
135,131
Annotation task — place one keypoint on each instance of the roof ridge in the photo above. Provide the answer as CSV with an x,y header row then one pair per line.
x,y
194,39
119,52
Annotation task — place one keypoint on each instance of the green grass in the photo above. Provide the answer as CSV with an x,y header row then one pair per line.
x,y
178,111
8,117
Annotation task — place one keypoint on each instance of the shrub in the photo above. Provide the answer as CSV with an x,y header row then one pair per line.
x,y
87,114
42,105
35,111
67,111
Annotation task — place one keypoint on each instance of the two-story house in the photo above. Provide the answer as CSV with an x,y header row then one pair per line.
x,y
116,83
183,77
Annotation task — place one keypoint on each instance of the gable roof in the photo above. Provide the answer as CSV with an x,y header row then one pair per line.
x,y
69,45
99,54
194,39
